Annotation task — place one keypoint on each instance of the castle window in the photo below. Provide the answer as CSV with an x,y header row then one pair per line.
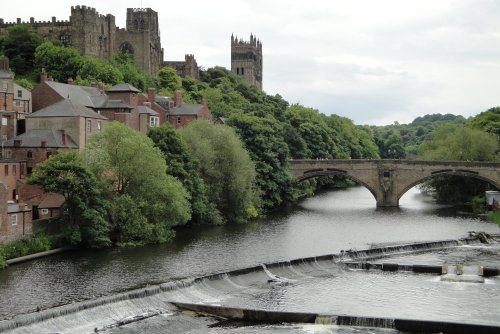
x,y
242,71
143,25
237,70
136,25
64,39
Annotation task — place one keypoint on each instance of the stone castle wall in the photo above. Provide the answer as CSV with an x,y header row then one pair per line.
x,y
97,35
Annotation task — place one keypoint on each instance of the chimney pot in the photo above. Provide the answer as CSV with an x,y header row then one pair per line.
x,y
177,98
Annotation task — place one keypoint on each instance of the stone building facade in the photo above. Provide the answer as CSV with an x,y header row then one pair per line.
x,y
97,35
246,60
186,68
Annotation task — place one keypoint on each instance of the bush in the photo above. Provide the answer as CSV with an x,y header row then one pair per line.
x,y
3,264
494,216
26,246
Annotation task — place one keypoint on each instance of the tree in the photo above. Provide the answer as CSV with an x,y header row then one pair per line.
x,y
168,79
453,142
182,165
130,164
60,62
19,46
488,121
99,70
226,168
84,209
263,138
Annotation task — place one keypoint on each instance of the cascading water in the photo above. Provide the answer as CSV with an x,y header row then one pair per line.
x,y
323,285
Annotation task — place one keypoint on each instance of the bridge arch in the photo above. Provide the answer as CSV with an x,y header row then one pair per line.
x,y
446,172
316,173
389,179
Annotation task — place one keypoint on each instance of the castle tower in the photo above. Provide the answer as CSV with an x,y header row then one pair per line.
x,y
141,38
246,60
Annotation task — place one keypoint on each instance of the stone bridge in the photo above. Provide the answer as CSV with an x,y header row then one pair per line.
x,y
389,180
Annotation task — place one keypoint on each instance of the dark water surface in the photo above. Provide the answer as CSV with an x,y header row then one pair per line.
x,y
325,224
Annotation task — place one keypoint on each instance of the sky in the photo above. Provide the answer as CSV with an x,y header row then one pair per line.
x,y
374,62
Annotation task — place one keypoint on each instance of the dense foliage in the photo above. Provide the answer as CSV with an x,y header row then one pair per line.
x,y
146,201
19,46
84,209
226,169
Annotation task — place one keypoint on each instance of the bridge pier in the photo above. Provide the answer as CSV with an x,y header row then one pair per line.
x,y
388,180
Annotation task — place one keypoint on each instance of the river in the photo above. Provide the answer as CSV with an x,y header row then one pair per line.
x,y
324,224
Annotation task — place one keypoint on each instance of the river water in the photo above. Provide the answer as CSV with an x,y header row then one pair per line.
x,y
325,224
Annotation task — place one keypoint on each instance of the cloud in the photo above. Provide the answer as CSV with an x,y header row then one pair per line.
x,y
371,61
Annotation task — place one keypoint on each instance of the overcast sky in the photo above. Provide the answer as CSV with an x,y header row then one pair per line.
x,y
374,62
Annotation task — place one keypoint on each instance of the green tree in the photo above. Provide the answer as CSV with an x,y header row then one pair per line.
x,y
182,165
488,121
84,209
226,168
19,46
60,62
168,79
99,70
130,164
453,142
263,138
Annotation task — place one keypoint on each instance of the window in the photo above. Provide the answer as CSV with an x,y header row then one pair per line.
x,y
89,125
387,174
242,71
99,126
237,70
14,170
17,103
22,170
19,93
29,154
4,120
6,170
45,211
178,120
29,170
13,219
154,121
49,154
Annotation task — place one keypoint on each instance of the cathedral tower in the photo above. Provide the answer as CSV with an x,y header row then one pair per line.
x,y
246,60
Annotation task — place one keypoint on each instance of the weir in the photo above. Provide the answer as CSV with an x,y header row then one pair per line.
x,y
154,301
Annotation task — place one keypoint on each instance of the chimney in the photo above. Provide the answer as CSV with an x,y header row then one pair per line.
x,y
177,98
17,143
43,144
43,76
70,81
100,85
151,95
63,137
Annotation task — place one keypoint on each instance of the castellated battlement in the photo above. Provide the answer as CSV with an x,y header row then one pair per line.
x,y
33,23
84,10
254,42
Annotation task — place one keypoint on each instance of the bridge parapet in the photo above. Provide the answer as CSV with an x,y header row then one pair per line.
x,y
389,179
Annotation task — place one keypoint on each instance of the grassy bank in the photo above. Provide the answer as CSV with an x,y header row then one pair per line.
x,y
22,247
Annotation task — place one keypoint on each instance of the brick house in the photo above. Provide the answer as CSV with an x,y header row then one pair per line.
x,y
183,113
15,103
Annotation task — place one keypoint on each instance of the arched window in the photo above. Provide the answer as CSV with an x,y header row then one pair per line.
x,y
126,47
143,25
136,25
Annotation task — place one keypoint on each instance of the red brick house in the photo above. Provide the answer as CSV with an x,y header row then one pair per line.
x,y
15,103
183,113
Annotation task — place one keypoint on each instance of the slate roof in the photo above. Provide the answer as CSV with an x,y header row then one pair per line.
x,y
66,108
187,109
52,201
80,94
5,75
114,104
34,138
147,110
124,87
